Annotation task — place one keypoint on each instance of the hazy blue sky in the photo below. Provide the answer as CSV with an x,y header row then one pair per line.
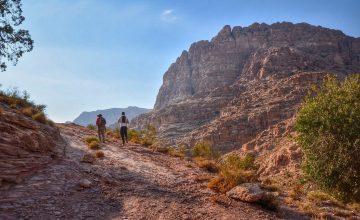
x,y
97,54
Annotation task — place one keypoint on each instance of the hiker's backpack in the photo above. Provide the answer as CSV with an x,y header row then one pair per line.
x,y
123,119
102,121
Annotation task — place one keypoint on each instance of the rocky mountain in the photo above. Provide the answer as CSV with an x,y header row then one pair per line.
x,y
111,115
245,81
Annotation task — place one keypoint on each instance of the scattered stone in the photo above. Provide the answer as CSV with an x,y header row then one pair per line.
x,y
247,192
85,183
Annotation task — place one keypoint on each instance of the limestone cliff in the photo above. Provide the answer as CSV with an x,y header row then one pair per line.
x,y
246,79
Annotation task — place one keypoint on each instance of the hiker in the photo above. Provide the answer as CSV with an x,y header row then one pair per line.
x,y
123,123
101,122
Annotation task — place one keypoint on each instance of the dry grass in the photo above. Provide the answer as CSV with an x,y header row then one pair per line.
x,y
318,197
1,111
99,154
342,213
354,206
177,152
234,170
29,111
90,139
13,106
40,117
205,150
206,164
94,145
312,210
91,126
296,192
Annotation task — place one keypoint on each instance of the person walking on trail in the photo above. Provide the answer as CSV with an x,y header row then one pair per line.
x,y
101,122
123,123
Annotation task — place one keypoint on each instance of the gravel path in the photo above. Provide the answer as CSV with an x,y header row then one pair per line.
x,y
130,182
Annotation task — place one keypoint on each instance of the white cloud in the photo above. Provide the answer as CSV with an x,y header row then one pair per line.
x,y
168,15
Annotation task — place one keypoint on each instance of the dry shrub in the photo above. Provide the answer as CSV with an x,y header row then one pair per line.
x,y
296,192
1,111
29,111
270,187
177,152
206,164
99,154
40,117
91,126
206,150
94,145
318,197
90,139
13,106
234,170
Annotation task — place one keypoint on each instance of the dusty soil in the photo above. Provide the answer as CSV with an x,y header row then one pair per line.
x,y
130,182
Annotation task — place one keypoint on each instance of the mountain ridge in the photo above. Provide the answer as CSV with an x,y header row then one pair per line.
x,y
111,115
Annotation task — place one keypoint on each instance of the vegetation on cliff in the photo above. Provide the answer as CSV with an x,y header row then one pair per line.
x,y
329,133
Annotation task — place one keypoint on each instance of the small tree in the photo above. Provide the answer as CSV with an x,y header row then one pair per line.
x,y
13,43
329,133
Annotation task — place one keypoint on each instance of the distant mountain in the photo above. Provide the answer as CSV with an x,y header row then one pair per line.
x,y
111,115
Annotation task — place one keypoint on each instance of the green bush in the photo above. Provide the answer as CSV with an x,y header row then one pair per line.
x,y
328,126
206,150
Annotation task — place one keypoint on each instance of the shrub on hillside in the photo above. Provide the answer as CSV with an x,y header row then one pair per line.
x,y
177,152
90,139
234,170
205,150
40,117
99,154
91,126
1,111
149,135
328,125
29,111
134,136
93,145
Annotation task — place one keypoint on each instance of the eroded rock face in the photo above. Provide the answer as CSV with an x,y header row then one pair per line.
x,y
25,145
230,89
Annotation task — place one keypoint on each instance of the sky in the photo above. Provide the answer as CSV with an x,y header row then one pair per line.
x,y
99,54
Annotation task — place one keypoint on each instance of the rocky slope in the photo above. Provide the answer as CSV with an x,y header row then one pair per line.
x,y
25,146
111,115
230,89
241,91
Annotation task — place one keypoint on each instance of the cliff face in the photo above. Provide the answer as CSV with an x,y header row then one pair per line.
x,y
244,80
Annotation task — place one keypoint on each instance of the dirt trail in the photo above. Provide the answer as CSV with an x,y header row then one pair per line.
x,y
130,182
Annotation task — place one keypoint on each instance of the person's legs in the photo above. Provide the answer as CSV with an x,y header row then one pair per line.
x,y
122,133
126,134
99,134
103,135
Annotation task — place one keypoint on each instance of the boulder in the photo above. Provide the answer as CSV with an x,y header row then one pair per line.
x,y
247,192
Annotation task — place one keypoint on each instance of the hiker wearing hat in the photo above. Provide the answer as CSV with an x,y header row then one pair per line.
x,y
123,123
101,122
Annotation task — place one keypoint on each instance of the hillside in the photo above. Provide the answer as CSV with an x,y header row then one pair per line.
x,y
111,115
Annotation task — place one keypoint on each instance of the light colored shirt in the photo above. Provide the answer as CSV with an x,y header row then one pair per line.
x,y
123,124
